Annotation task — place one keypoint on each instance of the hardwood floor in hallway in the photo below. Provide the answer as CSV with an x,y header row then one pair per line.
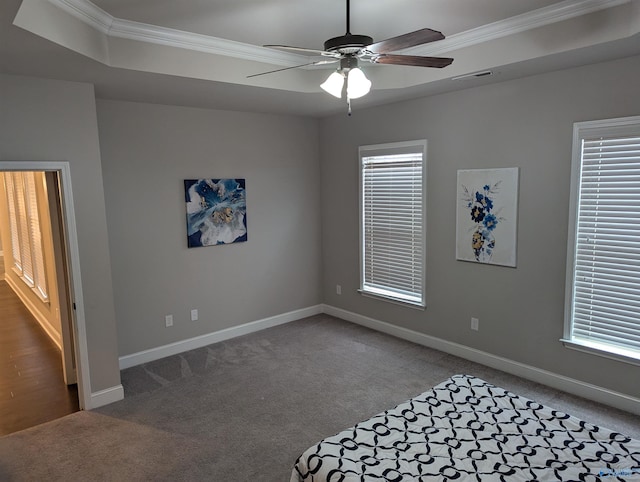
x,y
32,388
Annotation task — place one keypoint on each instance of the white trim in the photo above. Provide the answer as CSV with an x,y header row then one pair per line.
x,y
143,32
111,26
572,228
520,23
157,353
82,362
583,130
592,349
390,149
554,380
36,313
82,354
396,301
86,12
106,396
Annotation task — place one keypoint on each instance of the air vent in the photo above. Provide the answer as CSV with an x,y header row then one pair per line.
x,y
475,75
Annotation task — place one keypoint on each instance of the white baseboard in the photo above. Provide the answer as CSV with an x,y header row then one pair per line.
x,y
37,314
554,380
152,354
105,397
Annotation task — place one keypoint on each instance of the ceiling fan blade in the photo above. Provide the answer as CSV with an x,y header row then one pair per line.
x,y
320,62
302,50
405,41
413,60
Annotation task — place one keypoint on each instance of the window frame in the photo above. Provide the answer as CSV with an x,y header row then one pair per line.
x,y
617,127
387,149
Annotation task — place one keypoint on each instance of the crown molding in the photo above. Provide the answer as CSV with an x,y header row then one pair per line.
x,y
114,27
86,12
102,21
541,17
141,32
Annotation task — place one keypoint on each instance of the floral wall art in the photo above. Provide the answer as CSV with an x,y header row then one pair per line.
x,y
216,211
487,213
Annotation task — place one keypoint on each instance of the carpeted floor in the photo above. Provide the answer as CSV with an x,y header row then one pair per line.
x,y
243,410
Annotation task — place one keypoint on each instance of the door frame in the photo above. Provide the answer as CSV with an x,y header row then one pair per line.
x,y
74,288
61,264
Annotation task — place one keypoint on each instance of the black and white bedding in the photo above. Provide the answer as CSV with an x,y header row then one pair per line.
x,y
467,429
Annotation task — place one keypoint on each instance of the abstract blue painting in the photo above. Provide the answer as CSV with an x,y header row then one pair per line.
x,y
216,211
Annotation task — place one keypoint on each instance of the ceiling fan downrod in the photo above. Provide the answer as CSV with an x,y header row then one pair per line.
x,y
348,43
348,17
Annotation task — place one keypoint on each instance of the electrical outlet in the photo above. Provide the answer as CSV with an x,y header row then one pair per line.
x,y
475,324
168,320
194,315
338,289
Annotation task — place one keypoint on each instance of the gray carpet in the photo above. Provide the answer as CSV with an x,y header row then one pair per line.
x,y
243,410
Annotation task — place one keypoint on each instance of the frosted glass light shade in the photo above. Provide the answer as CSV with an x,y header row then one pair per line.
x,y
357,84
333,85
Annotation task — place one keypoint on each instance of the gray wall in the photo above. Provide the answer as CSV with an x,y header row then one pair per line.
x,y
47,120
147,152
302,211
525,123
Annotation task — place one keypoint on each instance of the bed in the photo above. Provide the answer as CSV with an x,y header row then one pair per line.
x,y
467,429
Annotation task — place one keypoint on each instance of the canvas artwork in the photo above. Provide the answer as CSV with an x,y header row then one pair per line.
x,y
216,211
487,210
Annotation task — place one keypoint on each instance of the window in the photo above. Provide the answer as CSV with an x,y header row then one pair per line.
x,y
24,223
392,227
603,271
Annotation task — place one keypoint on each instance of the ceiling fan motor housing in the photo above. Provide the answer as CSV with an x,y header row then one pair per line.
x,y
349,62
348,44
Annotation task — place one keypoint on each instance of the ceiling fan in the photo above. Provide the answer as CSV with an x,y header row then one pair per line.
x,y
349,49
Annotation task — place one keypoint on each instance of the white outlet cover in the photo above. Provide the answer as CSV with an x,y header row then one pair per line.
x,y
194,315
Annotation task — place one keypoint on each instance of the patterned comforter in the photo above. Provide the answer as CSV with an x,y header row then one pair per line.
x,y
466,429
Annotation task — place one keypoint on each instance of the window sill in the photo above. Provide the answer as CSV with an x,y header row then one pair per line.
x,y
398,301
598,350
31,286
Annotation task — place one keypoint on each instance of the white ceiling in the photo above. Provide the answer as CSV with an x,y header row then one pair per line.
x,y
200,52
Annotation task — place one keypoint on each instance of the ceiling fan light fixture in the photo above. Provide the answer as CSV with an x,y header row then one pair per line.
x,y
334,84
348,49
357,84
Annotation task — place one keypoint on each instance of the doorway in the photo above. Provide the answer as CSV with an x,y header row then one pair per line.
x,y
31,379
51,362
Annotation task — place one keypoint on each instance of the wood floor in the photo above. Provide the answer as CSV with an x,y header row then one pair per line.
x,y
32,388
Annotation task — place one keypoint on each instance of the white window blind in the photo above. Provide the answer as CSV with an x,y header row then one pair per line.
x,y
26,236
23,227
35,234
13,222
392,212
605,304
